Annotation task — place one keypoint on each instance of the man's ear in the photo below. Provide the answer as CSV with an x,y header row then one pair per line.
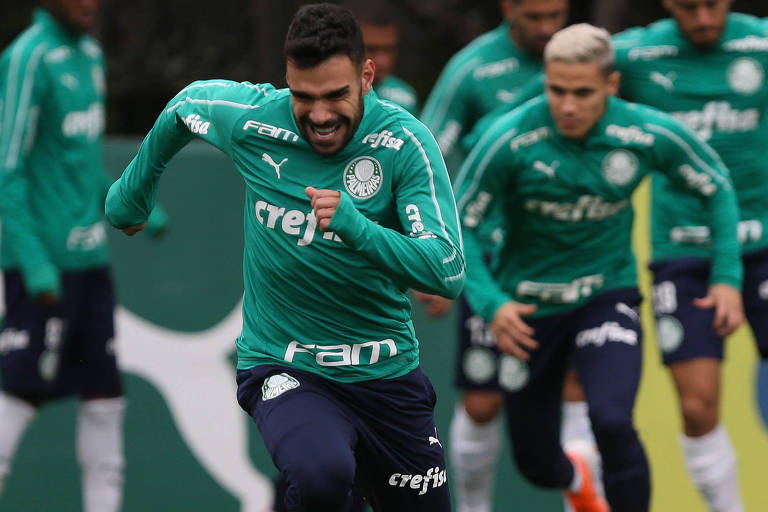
x,y
614,80
369,70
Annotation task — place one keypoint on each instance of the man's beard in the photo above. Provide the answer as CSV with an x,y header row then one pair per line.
x,y
305,126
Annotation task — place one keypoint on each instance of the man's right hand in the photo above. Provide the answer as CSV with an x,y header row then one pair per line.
x,y
47,298
513,335
435,305
132,230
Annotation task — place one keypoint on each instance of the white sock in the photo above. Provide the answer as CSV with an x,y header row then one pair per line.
x,y
100,453
576,436
15,415
577,481
711,462
474,451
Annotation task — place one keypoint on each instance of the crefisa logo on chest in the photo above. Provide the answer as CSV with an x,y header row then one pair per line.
x,y
363,177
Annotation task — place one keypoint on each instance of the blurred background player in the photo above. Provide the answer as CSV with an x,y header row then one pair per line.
x,y
488,73
381,35
562,169
708,69
58,332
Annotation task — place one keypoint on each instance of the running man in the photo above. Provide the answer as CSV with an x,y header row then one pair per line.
x,y
562,169
487,73
59,329
348,205
708,69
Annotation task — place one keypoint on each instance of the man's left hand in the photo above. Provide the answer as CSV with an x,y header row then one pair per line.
x,y
729,309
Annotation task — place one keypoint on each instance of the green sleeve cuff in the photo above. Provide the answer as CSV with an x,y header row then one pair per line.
x,y
729,279
117,212
41,278
348,223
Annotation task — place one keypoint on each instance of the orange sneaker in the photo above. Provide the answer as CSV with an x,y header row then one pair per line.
x,y
586,499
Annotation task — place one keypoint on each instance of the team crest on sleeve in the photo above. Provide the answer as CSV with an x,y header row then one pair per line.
x,y
363,177
745,75
278,384
619,166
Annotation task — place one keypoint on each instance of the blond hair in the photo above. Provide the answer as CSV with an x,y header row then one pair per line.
x,y
579,44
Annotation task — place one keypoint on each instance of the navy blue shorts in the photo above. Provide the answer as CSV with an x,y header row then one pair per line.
x,y
325,437
602,341
684,331
50,351
479,359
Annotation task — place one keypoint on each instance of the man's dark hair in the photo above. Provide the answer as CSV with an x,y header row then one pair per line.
x,y
320,31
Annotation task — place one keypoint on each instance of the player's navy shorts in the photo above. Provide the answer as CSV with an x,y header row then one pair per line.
x,y
606,330
49,351
326,436
479,363
684,331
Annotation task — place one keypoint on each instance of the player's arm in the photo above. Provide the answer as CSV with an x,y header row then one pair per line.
x,y
697,169
206,110
23,83
534,87
447,110
483,179
427,254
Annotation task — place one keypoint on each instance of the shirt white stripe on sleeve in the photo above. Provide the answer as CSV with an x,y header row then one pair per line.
x,y
438,211
226,103
481,167
722,181
22,109
435,120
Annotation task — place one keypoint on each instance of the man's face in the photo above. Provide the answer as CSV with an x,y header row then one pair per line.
x,y
577,95
534,22
328,100
381,48
701,21
79,16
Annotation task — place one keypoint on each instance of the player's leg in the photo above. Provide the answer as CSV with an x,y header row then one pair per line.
x,y
29,353
102,408
15,416
401,461
576,430
756,309
309,434
608,359
693,351
533,398
475,435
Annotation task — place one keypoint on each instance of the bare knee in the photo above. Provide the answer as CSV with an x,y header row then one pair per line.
x,y
698,385
700,413
482,406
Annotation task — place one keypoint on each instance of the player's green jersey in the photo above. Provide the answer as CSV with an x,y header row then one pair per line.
x,y
567,203
397,91
722,94
486,72
334,302
52,184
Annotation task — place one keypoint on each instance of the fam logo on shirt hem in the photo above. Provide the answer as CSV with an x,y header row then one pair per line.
x,y
363,177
